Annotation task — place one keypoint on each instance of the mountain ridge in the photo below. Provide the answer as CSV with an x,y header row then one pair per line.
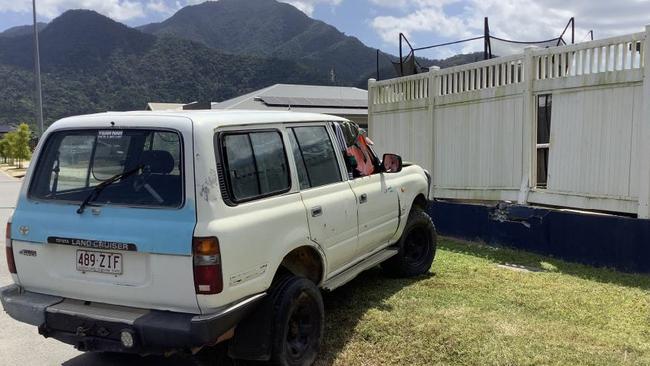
x,y
77,39
271,29
92,63
20,30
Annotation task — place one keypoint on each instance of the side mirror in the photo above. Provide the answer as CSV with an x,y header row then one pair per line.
x,y
392,163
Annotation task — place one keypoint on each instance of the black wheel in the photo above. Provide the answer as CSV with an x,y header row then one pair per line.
x,y
299,318
417,247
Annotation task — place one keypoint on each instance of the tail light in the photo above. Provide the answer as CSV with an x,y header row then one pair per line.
x,y
208,279
11,263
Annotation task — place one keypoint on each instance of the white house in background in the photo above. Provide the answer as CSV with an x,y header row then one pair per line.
x,y
346,102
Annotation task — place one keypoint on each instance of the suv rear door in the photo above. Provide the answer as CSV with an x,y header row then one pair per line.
x,y
132,245
331,204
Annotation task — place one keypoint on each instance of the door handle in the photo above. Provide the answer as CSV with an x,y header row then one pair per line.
x,y
316,211
363,198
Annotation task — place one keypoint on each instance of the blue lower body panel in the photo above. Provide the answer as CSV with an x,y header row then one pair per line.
x,y
601,240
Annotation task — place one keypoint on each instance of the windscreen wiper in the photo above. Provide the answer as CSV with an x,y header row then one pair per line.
x,y
100,187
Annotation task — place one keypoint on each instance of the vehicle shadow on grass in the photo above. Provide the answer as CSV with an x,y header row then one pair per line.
x,y
344,307
508,256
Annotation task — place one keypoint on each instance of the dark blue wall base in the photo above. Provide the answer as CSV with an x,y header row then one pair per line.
x,y
600,240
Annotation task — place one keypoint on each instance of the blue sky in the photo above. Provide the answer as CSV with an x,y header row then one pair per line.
x,y
378,22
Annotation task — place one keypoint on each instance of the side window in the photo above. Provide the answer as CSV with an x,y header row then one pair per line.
x,y
255,165
316,155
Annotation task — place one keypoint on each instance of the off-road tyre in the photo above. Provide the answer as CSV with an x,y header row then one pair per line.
x,y
299,319
416,247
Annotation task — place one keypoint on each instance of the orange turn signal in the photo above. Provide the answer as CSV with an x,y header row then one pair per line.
x,y
205,246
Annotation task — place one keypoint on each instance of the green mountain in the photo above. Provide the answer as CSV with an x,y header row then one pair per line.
x,y
255,27
207,52
78,40
91,63
269,28
21,30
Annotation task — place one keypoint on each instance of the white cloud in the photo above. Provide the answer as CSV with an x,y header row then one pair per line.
x,y
117,9
15,6
307,6
159,6
391,3
526,20
405,4
122,10
430,19
191,2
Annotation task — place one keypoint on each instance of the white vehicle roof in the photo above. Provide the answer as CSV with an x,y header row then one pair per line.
x,y
202,119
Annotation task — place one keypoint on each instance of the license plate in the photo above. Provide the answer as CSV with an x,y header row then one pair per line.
x,y
101,262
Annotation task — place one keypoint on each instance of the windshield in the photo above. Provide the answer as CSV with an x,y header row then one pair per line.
x,y
73,163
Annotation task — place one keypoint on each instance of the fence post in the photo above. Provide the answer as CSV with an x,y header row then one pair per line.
x,y
371,101
528,128
434,86
644,148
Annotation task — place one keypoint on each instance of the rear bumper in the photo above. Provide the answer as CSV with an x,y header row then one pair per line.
x,y
98,327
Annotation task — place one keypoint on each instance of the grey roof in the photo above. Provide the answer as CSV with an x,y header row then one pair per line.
x,y
5,128
309,98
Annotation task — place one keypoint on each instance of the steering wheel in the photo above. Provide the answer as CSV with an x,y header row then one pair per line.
x,y
141,182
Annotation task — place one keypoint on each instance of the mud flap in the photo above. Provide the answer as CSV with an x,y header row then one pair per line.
x,y
252,340
253,335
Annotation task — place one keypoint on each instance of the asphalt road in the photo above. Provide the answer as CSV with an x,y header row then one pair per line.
x,y
20,344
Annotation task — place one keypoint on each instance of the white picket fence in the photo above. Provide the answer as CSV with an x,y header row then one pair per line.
x,y
474,126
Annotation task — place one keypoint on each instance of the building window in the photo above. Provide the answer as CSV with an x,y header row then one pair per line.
x,y
543,138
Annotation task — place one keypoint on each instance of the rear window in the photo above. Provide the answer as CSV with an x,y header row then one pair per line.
x,y
73,163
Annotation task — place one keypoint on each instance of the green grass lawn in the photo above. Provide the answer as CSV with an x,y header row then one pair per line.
x,y
471,311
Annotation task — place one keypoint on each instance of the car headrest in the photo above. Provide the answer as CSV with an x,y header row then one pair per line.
x,y
158,161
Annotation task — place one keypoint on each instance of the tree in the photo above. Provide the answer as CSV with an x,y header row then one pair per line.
x,y
10,138
21,144
4,149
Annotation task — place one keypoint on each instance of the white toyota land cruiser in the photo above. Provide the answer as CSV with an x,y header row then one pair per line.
x,y
155,233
